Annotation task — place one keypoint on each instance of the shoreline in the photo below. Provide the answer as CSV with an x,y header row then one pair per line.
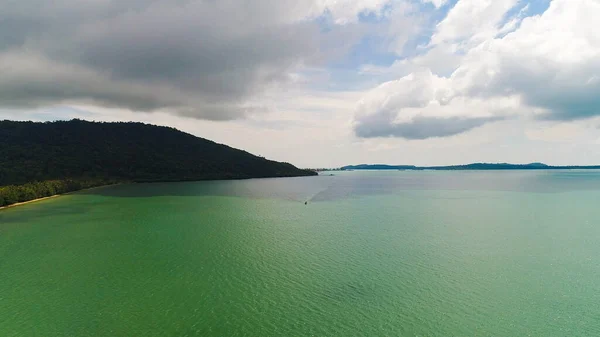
x,y
52,196
29,202
141,182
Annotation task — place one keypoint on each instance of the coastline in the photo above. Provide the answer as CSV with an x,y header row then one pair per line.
x,y
52,196
150,182
28,202
135,182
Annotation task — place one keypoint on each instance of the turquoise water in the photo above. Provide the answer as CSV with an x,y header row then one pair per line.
x,y
372,254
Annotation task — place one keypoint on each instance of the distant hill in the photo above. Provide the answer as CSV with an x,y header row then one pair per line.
x,y
474,166
379,167
96,153
488,166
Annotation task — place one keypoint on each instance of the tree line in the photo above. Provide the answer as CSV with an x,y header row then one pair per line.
x,y
13,194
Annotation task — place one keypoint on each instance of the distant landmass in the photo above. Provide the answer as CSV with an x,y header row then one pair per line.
x,y
42,159
474,166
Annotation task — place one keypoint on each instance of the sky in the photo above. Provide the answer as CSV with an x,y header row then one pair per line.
x,y
319,83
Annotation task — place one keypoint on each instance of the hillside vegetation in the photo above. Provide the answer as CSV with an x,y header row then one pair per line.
x,y
42,159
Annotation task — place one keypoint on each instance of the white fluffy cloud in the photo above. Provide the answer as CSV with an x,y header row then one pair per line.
x,y
552,62
471,21
545,66
422,105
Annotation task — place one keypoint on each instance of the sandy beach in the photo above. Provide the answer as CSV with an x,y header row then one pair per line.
x,y
30,201
52,196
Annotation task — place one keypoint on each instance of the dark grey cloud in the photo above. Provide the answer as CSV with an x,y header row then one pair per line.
x,y
579,105
420,127
199,58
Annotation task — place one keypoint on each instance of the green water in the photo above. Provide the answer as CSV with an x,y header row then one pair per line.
x,y
372,254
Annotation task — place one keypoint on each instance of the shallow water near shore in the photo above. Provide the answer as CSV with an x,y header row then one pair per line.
x,y
499,253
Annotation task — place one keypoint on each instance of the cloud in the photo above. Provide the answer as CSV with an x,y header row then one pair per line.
x,y
472,20
436,3
346,11
423,127
203,59
422,105
552,61
501,65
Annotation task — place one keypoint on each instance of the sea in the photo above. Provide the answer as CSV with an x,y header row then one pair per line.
x,y
360,253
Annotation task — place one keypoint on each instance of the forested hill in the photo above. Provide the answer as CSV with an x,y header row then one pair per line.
x,y
77,150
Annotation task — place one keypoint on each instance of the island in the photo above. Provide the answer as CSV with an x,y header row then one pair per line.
x,y
473,166
42,159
